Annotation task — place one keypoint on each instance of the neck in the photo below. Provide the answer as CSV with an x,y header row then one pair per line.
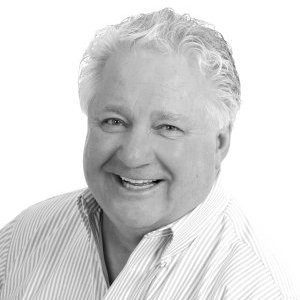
x,y
121,236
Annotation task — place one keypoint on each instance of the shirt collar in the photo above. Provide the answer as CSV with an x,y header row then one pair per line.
x,y
183,230
88,202
194,224
87,205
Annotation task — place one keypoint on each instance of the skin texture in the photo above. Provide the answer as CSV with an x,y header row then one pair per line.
x,y
147,122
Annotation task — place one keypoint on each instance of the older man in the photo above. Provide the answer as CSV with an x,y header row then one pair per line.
x,y
161,93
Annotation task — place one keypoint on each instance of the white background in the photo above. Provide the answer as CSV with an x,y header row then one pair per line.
x,y
43,129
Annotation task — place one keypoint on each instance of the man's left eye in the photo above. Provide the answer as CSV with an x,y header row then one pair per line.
x,y
169,127
169,130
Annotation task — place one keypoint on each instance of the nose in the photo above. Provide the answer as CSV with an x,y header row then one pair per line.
x,y
135,150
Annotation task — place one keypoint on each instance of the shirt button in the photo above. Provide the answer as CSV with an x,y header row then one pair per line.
x,y
163,264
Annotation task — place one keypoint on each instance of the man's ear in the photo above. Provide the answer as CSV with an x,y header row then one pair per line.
x,y
222,144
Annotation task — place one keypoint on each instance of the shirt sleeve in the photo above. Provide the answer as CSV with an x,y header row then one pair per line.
x,y
5,242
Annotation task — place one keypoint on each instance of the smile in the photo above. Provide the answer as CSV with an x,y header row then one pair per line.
x,y
137,184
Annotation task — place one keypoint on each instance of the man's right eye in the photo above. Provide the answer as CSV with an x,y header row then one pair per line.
x,y
113,124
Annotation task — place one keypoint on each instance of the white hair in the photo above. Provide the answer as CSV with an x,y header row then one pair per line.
x,y
167,32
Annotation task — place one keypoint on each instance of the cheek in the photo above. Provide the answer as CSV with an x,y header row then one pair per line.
x,y
91,149
189,154
192,162
98,148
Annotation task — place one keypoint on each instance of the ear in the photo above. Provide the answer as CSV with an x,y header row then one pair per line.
x,y
222,144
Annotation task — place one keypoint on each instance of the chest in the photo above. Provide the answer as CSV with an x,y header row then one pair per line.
x,y
73,270
186,275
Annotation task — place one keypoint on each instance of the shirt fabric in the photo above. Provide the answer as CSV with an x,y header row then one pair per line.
x,y
53,250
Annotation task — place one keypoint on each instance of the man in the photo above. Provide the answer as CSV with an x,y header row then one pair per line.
x,y
161,93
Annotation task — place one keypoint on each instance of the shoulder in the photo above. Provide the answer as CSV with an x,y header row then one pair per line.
x,y
250,268
34,225
51,211
54,207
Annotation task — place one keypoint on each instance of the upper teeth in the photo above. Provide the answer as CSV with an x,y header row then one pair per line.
x,y
140,181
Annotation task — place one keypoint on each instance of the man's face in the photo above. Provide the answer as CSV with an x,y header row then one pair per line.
x,y
150,155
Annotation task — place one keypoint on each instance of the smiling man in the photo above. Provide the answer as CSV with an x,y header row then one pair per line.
x,y
161,93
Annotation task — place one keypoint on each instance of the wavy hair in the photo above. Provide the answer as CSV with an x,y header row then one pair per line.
x,y
167,32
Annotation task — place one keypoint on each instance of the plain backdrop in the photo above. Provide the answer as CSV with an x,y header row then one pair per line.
x,y
43,129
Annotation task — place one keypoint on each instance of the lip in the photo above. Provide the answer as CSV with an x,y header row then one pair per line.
x,y
141,191
137,176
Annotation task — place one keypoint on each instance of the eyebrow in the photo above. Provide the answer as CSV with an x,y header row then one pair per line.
x,y
160,115
119,109
168,116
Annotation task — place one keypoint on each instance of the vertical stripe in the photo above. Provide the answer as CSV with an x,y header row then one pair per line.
x,y
53,250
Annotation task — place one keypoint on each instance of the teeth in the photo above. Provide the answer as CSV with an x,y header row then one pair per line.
x,y
136,186
137,181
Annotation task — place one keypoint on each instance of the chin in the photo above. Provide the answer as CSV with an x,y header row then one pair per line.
x,y
137,215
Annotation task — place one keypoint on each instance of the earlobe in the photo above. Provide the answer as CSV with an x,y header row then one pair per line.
x,y
222,144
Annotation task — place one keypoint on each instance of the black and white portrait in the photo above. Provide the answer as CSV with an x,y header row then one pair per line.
x,y
149,150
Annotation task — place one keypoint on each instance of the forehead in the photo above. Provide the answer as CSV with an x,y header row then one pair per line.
x,y
148,79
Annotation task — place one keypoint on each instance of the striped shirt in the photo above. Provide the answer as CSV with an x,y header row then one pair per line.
x,y
53,250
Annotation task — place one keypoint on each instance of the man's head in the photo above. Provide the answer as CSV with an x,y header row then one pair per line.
x,y
167,32
154,90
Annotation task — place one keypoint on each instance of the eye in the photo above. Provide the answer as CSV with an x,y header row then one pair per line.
x,y
169,127
113,124
169,130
